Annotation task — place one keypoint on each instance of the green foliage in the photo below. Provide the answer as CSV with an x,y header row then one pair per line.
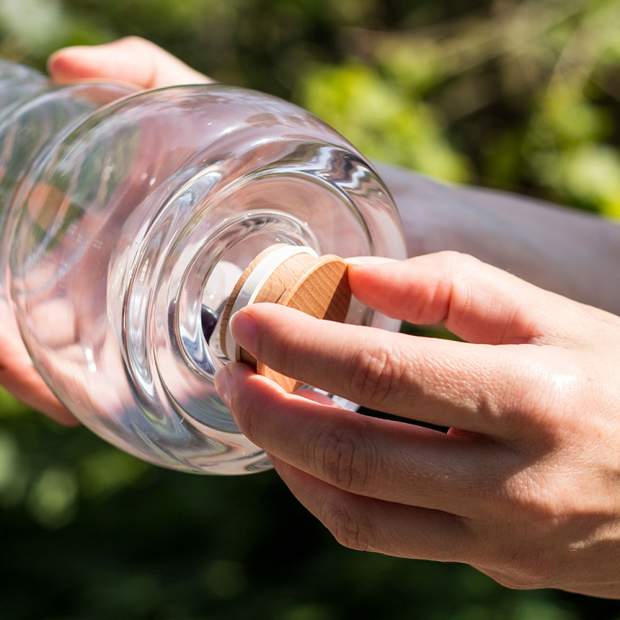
x,y
519,95
569,153
522,95
382,121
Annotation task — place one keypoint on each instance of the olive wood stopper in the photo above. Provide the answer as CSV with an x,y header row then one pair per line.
x,y
293,276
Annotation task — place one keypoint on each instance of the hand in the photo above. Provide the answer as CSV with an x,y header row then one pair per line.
x,y
525,486
132,60
17,374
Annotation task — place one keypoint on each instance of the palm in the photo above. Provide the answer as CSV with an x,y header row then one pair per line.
x,y
131,60
18,375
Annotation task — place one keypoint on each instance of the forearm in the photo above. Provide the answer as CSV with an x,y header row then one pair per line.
x,y
569,252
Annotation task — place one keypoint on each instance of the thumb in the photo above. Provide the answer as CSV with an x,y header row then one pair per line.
x,y
477,302
132,59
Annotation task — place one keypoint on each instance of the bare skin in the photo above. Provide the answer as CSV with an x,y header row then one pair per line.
x,y
136,62
525,486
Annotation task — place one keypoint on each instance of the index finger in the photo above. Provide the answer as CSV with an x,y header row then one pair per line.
x,y
438,381
476,301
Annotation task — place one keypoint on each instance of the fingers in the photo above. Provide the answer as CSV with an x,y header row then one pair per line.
x,y
477,302
132,60
18,376
437,381
368,524
382,459
23,382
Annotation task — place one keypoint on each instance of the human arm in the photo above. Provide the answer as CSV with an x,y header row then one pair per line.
x,y
570,252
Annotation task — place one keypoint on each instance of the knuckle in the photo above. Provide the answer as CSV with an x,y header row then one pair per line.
x,y
554,383
345,458
525,576
514,582
348,527
532,495
375,373
454,261
453,280
136,41
459,270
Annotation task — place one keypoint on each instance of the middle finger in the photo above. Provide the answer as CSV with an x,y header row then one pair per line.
x,y
391,461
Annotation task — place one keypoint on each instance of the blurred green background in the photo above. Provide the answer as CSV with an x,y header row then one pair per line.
x,y
517,95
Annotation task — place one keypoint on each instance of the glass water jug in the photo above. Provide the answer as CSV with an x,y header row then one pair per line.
x,y
127,218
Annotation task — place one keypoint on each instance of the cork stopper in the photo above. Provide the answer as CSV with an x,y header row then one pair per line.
x,y
293,276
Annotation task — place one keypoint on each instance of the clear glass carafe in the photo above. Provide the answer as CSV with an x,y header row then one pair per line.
x,y
127,218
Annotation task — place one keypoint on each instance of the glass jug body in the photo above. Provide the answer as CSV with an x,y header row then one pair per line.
x,y
127,218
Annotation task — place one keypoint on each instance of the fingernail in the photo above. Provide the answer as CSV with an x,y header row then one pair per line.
x,y
369,260
244,331
222,383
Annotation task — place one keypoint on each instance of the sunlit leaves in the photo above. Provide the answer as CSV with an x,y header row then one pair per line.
x,y
382,121
52,497
588,175
108,470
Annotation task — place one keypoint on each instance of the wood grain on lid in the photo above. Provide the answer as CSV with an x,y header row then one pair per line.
x,y
317,286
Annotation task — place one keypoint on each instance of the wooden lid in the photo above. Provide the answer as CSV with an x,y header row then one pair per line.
x,y
293,276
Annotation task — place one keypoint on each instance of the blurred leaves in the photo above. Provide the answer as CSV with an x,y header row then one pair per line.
x,y
523,95
105,471
382,121
33,24
52,497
